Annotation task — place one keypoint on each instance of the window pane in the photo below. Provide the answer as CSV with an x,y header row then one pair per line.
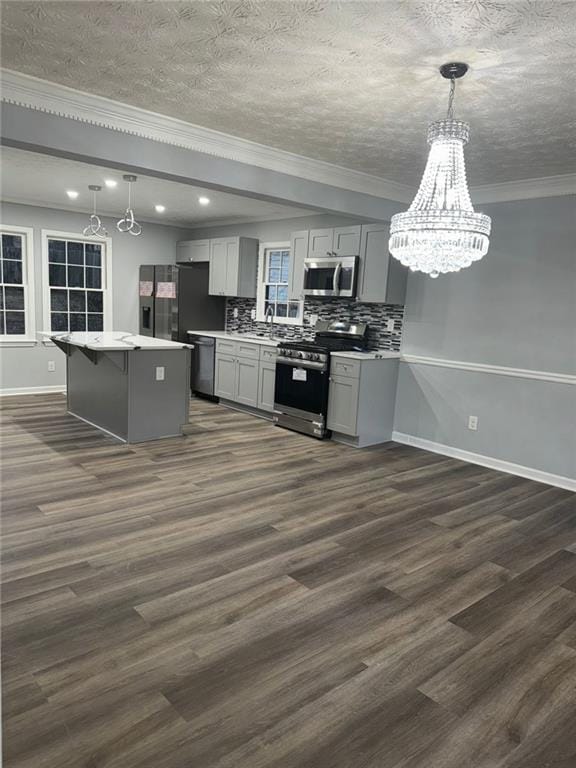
x,y
2,322
1,298
12,247
59,321
12,271
94,301
293,309
58,300
57,251
284,274
77,321
93,277
75,253
95,322
269,304
282,293
1,272
76,277
57,274
15,322
271,292
77,301
93,255
14,298
274,275
275,259
282,310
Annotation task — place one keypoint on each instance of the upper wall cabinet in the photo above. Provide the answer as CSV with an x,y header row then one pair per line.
x,y
233,267
381,278
193,250
298,252
341,241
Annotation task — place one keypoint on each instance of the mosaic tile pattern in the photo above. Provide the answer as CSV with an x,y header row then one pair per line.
x,y
376,315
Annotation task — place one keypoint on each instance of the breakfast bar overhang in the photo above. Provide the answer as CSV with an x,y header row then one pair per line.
x,y
135,388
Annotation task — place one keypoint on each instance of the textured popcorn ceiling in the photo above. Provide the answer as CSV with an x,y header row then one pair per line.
x,y
352,83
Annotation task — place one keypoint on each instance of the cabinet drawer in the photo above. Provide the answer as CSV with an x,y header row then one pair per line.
x,y
225,346
246,349
268,353
341,366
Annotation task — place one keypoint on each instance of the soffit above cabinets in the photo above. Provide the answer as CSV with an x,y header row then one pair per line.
x,y
350,83
34,179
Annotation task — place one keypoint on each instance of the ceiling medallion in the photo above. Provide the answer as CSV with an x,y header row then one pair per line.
x,y
441,232
95,227
129,223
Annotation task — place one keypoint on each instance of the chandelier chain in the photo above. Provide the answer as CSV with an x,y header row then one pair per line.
x,y
450,115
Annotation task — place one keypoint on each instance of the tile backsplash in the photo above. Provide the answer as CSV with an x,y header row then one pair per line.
x,y
376,315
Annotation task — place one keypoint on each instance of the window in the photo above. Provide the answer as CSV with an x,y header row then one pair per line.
x,y
77,296
273,284
17,321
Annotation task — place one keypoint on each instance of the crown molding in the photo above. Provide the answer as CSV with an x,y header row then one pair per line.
x,y
35,93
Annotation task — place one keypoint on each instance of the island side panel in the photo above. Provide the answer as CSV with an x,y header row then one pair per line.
x,y
158,407
98,391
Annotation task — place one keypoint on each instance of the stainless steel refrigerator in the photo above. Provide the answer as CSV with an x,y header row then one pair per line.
x,y
174,299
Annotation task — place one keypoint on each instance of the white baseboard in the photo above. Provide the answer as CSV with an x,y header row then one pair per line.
x,y
57,388
486,461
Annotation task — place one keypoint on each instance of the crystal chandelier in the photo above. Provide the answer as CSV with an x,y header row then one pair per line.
x,y
440,232
95,227
129,223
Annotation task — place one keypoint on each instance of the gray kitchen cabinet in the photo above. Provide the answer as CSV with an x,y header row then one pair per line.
x,y
298,252
346,241
320,243
233,266
247,371
266,386
361,399
381,278
343,405
193,250
225,376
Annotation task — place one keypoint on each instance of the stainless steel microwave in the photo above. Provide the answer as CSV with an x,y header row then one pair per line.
x,y
331,276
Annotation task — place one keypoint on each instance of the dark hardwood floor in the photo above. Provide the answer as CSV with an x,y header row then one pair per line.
x,y
246,597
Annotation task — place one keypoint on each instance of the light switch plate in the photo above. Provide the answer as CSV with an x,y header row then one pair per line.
x,y
51,365
160,371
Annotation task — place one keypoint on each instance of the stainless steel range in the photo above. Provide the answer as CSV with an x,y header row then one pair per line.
x,y
303,374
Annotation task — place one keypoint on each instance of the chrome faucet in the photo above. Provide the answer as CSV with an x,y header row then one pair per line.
x,y
270,313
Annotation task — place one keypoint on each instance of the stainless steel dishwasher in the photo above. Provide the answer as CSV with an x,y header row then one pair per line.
x,y
202,368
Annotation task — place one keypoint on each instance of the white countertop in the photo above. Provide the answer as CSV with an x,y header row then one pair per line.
x,y
373,354
112,341
250,337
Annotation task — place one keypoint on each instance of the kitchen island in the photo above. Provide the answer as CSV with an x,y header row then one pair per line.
x,y
135,388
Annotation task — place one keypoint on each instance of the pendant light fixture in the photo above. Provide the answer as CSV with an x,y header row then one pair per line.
x,y
441,232
129,223
95,227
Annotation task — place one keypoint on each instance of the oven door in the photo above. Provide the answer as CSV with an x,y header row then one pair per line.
x,y
301,389
330,277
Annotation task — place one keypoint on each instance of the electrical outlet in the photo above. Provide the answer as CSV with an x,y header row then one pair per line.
x,y
160,373
51,365
253,314
235,313
390,325
473,423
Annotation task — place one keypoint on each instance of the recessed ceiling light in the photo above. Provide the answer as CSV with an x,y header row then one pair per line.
x,y
111,183
159,208
204,200
72,194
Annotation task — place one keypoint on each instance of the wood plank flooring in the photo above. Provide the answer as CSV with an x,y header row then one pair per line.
x,y
246,597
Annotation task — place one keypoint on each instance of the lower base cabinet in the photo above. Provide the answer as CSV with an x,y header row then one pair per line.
x,y
266,386
249,378
361,400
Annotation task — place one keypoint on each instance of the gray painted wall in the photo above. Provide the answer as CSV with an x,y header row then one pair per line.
x,y
515,308
28,366
274,231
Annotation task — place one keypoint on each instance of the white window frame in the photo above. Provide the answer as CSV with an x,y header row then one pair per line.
x,y
261,293
106,243
27,339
